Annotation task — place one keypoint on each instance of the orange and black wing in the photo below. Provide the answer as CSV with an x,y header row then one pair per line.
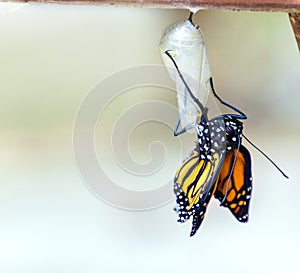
x,y
194,184
199,215
234,191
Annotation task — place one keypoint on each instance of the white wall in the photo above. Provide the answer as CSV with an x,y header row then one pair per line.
x,y
51,56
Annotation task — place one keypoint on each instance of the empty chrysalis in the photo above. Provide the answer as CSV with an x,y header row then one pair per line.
x,y
184,41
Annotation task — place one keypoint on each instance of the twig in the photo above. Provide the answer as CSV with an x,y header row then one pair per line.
x,y
258,5
295,21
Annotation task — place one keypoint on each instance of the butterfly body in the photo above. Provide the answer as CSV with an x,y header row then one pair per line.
x,y
208,171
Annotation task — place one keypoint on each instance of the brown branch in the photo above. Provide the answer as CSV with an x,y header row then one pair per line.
x,y
259,5
295,21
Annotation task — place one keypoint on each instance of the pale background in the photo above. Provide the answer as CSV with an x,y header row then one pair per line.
x,y
49,222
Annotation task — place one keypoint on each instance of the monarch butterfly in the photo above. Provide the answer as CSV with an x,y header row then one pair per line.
x,y
219,166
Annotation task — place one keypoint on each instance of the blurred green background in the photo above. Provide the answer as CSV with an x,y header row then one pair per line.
x,y
51,56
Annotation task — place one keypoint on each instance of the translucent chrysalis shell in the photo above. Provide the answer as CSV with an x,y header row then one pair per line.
x,y
185,43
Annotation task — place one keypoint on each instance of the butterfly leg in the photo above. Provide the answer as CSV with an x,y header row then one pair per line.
x,y
197,102
182,130
241,114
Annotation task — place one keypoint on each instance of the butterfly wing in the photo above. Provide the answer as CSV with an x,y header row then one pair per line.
x,y
237,188
194,184
199,215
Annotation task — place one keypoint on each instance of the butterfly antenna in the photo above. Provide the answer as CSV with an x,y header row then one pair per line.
x,y
202,108
231,172
267,157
